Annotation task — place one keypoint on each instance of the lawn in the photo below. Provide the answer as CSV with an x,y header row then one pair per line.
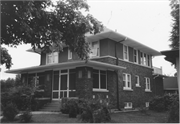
x,y
127,117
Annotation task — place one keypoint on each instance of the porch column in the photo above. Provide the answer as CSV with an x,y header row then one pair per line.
x,y
84,84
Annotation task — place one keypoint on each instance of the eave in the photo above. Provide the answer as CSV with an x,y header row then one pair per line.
x,y
129,42
73,64
171,55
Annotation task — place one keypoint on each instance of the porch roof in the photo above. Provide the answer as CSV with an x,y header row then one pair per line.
x,y
65,65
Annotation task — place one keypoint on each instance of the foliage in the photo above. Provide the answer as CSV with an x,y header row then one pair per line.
x,y
5,57
69,106
10,111
174,111
94,111
26,117
73,109
19,96
7,84
143,110
162,103
174,38
44,24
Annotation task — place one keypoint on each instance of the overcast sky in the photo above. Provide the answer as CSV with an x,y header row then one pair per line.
x,y
146,21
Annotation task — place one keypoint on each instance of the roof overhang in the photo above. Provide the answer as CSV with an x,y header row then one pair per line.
x,y
129,42
107,33
89,63
171,55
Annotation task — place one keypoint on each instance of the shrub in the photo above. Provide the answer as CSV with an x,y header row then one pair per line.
x,y
26,117
161,103
94,111
73,109
10,111
174,110
68,104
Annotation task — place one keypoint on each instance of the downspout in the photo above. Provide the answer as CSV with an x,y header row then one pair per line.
x,y
117,60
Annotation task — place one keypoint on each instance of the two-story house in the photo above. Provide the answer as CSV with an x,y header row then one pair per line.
x,y
119,72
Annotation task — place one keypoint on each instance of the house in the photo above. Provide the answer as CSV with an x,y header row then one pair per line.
x,y
170,85
173,57
119,70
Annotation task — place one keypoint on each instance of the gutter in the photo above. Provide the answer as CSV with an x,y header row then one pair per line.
x,y
117,60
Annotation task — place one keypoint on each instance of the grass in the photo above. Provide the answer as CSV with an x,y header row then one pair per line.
x,y
138,117
127,117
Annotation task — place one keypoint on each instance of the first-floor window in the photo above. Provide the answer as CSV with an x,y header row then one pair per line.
x,y
137,80
147,82
127,81
99,79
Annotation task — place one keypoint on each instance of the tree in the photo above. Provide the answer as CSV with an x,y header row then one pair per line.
x,y
174,38
47,25
5,57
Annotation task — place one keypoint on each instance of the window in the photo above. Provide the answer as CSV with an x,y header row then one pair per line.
x,y
145,62
128,105
127,81
80,74
69,54
89,74
125,52
137,81
94,49
135,56
147,104
141,58
147,82
99,80
149,60
52,58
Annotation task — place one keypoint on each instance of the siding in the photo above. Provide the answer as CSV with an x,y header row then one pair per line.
x,y
43,59
104,47
111,48
63,56
130,54
120,50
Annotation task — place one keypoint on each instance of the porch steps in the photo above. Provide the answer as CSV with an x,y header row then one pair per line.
x,y
53,106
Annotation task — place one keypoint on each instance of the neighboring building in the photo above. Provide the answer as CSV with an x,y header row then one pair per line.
x,y
173,57
170,85
63,74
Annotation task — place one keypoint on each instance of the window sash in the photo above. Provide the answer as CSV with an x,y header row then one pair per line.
x,y
127,81
135,56
99,79
137,80
52,58
69,54
148,87
126,57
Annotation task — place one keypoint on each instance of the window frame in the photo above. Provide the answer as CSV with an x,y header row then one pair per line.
x,y
137,81
99,81
69,54
126,53
135,56
147,84
126,82
52,55
128,105
98,49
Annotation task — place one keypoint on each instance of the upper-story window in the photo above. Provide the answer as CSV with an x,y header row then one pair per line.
x,y
135,56
94,49
125,52
144,59
141,58
52,58
69,54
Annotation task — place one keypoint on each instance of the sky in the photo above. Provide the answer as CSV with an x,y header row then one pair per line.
x,y
146,21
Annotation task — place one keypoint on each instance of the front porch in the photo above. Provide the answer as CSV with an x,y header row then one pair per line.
x,y
82,79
